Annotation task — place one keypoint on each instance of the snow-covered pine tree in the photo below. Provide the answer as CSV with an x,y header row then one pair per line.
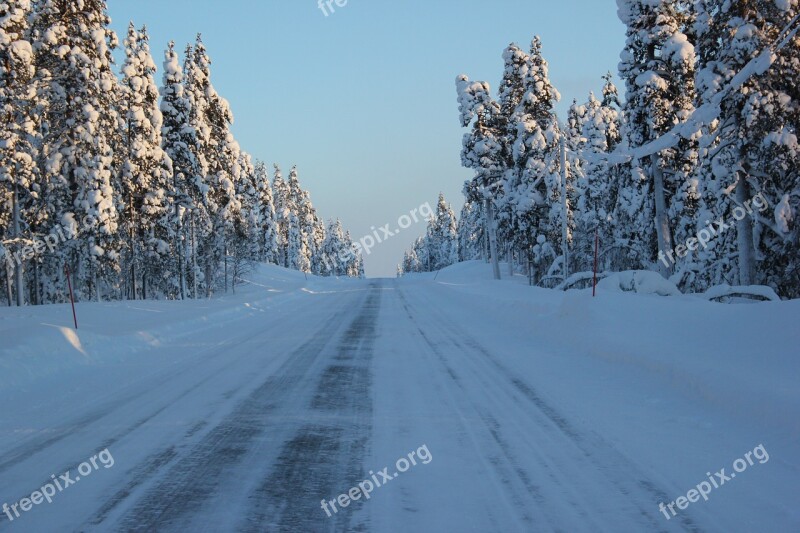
x,y
657,198
600,183
222,155
472,242
334,252
483,151
307,221
295,247
422,250
752,149
283,210
143,200
246,247
410,262
535,193
265,216
18,140
317,241
362,273
510,94
73,45
354,264
243,247
180,143
444,236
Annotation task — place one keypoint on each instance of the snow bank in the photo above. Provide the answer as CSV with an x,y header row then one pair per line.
x,y
742,359
639,281
40,342
758,291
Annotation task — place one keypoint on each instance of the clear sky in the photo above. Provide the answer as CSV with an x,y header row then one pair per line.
x,y
363,101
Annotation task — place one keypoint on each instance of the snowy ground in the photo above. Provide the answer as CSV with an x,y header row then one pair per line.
x,y
526,409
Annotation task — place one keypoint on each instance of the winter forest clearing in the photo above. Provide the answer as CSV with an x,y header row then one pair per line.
x,y
603,339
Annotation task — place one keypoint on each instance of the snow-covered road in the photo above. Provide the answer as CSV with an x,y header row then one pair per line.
x,y
244,414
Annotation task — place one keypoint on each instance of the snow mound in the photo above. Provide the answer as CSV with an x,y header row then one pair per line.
x,y
580,277
724,291
639,281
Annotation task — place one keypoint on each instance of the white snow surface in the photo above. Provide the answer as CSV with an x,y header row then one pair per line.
x,y
639,281
542,410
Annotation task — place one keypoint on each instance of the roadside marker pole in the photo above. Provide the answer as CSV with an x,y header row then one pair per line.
x,y
596,252
71,297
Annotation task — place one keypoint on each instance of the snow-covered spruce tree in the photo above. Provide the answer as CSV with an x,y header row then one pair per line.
x,y
333,253
316,240
411,262
244,248
510,93
421,251
472,242
753,147
439,247
223,171
283,211
362,272
657,199
18,141
415,262
211,119
143,201
600,182
295,248
534,194
73,45
199,218
355,262
266,232
483,151
297,200
580,244
444,236
238,249
307,220
338,256
180,143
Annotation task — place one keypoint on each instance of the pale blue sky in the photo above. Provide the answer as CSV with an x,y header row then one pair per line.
x,y
363,100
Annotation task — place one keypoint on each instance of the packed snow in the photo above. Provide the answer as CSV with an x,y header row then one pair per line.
x,y
524,409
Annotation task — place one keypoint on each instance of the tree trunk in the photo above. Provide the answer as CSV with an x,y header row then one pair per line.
x,y
744,235
492,238
36,296
181,248
208,278
8,283
18,271
663,230
132,237
564,207
194,262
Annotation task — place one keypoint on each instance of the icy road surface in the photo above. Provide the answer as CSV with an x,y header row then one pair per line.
x,y
522,409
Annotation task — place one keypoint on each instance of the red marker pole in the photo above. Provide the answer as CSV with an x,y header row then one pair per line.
x,y
71,297
596,252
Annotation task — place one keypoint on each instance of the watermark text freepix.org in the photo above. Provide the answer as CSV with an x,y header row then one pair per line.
x,y
713,230
365,244
326,6
59,235
368,485
704,488
48,490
